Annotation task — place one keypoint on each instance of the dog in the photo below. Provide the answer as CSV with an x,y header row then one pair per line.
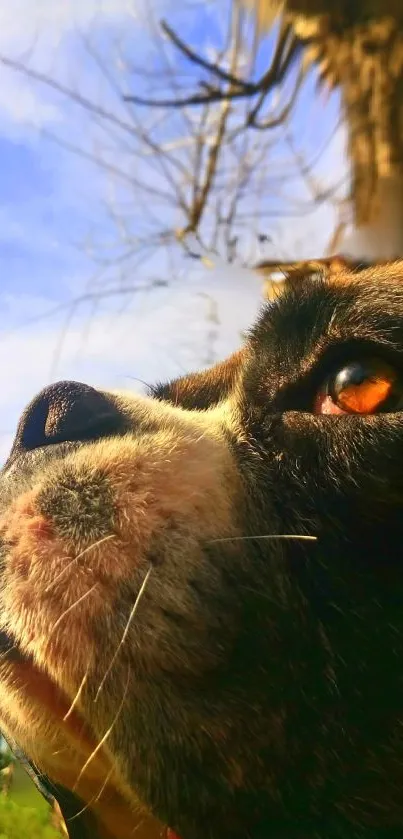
x,y
201,596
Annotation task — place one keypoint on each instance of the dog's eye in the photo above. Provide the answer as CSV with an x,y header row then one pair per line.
x,y
361,387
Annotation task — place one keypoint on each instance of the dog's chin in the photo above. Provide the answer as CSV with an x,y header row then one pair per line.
x,y
40,688
62,745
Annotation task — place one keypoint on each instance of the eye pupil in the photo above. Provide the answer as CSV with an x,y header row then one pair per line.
x,y
353,374
365,387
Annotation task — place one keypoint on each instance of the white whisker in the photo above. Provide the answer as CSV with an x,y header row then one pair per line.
x,y
6,652
76,558
126,631
76,698
267,536
104,785
73,606
94,799
105,737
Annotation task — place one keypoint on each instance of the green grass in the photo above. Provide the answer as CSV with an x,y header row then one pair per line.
x,y
18,822
24,813
24,792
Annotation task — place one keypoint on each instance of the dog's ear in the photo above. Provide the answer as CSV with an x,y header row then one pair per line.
x,y
199,391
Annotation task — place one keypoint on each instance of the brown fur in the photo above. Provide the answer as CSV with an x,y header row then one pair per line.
x,y
85,691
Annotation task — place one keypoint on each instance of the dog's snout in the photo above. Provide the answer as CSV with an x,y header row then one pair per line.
x,y
66,412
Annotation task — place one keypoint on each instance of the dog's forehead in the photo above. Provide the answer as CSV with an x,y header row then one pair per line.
x,y
366,305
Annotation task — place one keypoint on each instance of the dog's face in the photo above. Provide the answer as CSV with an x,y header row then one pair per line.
x,y
175,647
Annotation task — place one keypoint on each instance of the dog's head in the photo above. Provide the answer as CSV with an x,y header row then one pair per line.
x,y
201,591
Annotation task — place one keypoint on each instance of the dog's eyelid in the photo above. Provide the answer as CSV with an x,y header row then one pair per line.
x,y
340,353
301,394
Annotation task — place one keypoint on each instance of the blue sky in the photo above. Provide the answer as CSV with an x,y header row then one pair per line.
x,y
53,210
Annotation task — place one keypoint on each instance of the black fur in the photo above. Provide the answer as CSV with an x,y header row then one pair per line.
x,y
286,720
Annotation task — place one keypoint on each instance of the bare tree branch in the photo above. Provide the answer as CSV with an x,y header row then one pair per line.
x,y
202,62
185,180
287,49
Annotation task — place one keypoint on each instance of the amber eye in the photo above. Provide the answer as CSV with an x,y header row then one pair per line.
x,y
362,387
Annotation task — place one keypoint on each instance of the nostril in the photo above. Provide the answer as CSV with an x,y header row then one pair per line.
x,y
66,412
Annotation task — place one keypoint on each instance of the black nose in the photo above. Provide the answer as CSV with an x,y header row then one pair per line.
x,y
66,412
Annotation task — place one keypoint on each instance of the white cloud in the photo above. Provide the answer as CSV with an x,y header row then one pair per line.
x,y
37,34
21,103
25,22
24,106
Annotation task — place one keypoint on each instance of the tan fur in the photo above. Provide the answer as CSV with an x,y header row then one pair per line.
x,y
171,486
179,469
